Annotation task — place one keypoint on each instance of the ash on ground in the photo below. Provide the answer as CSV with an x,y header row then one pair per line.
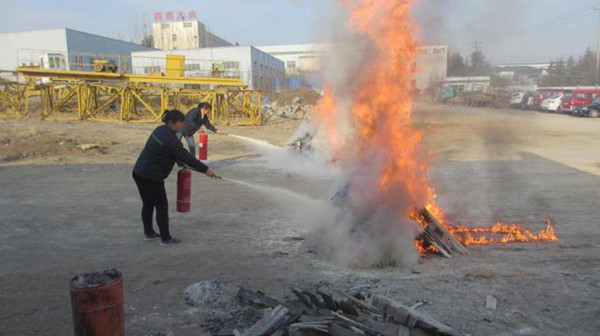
x,y
95,279
216,301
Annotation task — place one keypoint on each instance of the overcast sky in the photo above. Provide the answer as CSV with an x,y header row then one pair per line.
x,y
510,31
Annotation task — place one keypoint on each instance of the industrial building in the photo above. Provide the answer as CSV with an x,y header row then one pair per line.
x,y
254,67
298,58
171,35
302,63
71,49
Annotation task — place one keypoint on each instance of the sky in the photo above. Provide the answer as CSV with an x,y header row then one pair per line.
x,y
508,31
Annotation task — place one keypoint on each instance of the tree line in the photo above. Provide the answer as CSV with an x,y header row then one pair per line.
x,y
570,72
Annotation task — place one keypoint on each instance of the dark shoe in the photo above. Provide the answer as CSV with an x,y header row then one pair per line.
x,y
170,241
152,236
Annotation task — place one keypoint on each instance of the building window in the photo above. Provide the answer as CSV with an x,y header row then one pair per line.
x,y
164,26
232,65
291,65
79,61
192,67
187,25
174,37
151,69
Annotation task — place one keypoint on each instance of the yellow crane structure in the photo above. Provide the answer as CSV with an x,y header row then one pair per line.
x,y
131,97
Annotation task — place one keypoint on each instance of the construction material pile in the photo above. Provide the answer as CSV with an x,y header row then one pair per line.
x,y
333,311
498,99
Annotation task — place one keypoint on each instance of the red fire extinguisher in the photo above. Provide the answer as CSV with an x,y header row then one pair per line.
x,y
184,190
203,151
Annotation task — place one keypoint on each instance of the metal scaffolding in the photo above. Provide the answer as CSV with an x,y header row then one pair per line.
x,y
129,97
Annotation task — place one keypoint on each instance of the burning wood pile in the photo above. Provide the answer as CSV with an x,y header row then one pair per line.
x,y
435,237
337,313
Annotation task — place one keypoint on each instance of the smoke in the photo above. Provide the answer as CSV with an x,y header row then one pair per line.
x,y
291,161
334,233
460,23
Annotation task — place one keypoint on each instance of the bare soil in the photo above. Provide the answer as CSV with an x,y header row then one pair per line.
x,y
66,211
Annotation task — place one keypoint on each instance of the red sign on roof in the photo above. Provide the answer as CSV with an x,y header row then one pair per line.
x,y
181,16
169,15
158,16
192,15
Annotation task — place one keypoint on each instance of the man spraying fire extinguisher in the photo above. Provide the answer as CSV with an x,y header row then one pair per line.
x,y
194,120
154,165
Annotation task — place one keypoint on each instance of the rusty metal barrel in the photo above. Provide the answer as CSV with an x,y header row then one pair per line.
x,y
97,304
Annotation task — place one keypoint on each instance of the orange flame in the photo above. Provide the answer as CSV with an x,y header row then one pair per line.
x,y
380,111
512,233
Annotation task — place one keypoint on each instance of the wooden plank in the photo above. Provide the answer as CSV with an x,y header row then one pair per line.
x,y
403,331
347,308
274,320
405,315
443,233
258,299
319,318
337,330
356,301
354,323
314,300
328,300
431,239
302,298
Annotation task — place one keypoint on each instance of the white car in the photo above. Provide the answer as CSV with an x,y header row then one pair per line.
x,y
553,103
516,98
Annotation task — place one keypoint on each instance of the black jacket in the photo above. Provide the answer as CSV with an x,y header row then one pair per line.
x,y
162,150
193,122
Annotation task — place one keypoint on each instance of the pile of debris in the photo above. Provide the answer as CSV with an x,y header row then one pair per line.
x,y
296,109
498,99
338,313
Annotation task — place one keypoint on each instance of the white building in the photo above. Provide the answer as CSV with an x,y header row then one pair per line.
x,y
171,35
79,49
298,58
257,69
304,60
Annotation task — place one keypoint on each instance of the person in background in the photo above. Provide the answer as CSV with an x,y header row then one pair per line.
x,y
154,165
194,120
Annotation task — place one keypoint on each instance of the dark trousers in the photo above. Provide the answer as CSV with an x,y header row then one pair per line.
x,y
153,195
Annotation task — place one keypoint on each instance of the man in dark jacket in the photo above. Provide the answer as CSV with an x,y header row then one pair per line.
x,y
194,120
154,165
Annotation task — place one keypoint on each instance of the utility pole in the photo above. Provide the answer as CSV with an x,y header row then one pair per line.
x,y
477,45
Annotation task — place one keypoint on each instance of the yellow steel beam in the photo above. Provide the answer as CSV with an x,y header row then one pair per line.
x,y
100,76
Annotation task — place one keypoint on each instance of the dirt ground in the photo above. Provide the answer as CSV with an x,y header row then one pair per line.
x,y
65,211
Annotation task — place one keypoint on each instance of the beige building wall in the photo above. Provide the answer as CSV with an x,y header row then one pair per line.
x,y
185,35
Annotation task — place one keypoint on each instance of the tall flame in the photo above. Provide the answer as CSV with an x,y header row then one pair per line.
x,y
383,152
381,103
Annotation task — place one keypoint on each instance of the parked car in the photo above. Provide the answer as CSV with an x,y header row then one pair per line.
x,y
553,103
516,99
591,110
579,98
543,93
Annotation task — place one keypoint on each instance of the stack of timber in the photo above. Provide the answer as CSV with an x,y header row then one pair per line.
x,y
337,313
437,235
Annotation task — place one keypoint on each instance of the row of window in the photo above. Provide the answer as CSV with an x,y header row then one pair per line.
x,y
167,26
267,69
151,69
